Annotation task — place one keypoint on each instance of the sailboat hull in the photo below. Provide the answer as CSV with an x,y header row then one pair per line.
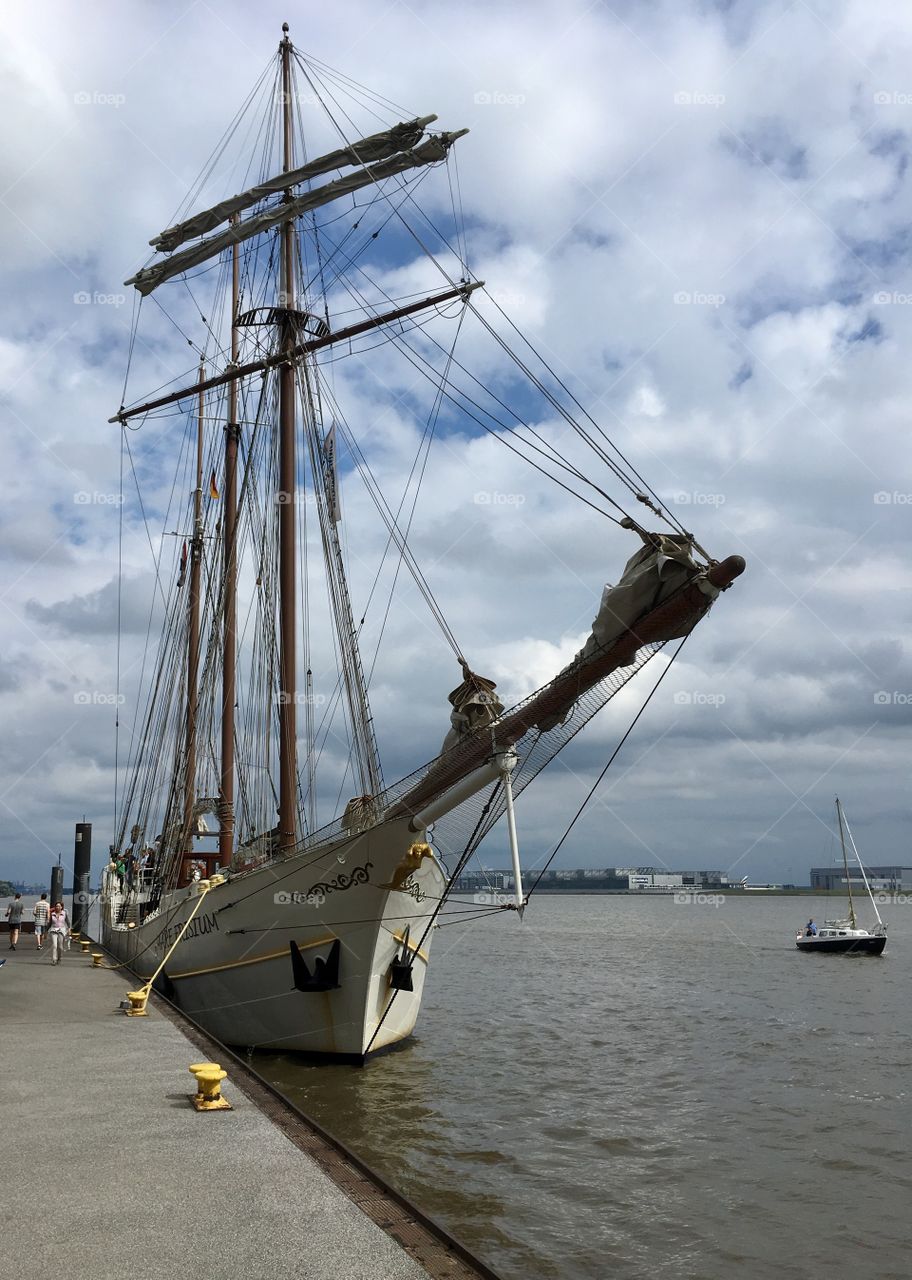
x,y
870,946
357,912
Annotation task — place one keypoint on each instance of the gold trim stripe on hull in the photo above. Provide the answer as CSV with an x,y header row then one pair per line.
x,y
276,955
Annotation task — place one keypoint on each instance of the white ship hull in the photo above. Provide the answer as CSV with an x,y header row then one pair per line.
x,y
232,970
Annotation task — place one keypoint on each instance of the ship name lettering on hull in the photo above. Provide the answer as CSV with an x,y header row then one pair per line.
x,y
198,926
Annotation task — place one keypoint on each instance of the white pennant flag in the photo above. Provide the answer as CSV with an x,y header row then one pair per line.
x,y
330,476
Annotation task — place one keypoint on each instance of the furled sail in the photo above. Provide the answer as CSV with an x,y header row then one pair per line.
x,y
654,573
650,576
379,146
475,704
430,152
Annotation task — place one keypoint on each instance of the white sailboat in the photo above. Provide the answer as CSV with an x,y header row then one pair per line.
x,y
315,936
844,935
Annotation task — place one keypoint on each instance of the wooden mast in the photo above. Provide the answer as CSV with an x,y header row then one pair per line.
x,y
845,863
193,631
288,773
229,565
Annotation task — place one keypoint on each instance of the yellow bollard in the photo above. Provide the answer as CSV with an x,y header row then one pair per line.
x,y
85,944
195,1068
138,1003
209,1077
97,958
75,936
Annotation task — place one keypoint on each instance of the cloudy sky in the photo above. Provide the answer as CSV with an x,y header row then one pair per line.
x,y
699,211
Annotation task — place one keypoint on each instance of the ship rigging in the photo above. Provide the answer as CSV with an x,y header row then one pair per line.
x,y
321,876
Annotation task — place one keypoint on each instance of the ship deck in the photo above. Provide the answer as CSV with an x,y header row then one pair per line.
x,y
110,1157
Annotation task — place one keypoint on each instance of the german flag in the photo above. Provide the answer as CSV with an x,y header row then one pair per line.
x,y
213,487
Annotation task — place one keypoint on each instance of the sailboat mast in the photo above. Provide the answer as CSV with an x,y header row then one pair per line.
x,y
287,829
229,564
845,861
864,874
193,628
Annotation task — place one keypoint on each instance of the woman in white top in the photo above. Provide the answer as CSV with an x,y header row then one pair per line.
x,y
60,927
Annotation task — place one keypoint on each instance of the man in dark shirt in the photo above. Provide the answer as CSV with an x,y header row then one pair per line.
x,y
14,916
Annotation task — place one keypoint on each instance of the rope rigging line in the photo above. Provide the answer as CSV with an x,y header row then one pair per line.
x,y
457,395
479,913
134,330
458,398
221,146
431,921
307,68
554,402
607,766
576,427
333,73
363,739
120,533
428,435
636,484
394,534
636,489
484,823
391,519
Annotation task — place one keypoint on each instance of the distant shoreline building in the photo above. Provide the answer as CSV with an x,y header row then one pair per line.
x,y
889,879
590,879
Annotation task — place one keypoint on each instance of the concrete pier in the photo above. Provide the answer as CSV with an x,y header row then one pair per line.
x,y
107,1163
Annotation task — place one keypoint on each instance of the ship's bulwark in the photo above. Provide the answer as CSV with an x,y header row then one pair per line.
x,y
232,970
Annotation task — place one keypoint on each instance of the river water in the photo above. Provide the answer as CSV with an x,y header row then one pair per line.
x,y
640,1088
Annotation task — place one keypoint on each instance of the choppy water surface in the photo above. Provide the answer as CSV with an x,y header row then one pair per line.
x,y
638,1088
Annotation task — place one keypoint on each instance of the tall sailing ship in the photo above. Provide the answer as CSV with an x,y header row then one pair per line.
x,y
314,935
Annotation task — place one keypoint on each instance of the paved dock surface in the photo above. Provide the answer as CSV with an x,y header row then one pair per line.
x,y
106,1162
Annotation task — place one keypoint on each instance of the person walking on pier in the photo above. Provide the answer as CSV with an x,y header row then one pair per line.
x,y
60,927
14,916
42,913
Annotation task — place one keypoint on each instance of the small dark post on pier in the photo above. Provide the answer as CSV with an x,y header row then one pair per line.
x,y
82,867
57,883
